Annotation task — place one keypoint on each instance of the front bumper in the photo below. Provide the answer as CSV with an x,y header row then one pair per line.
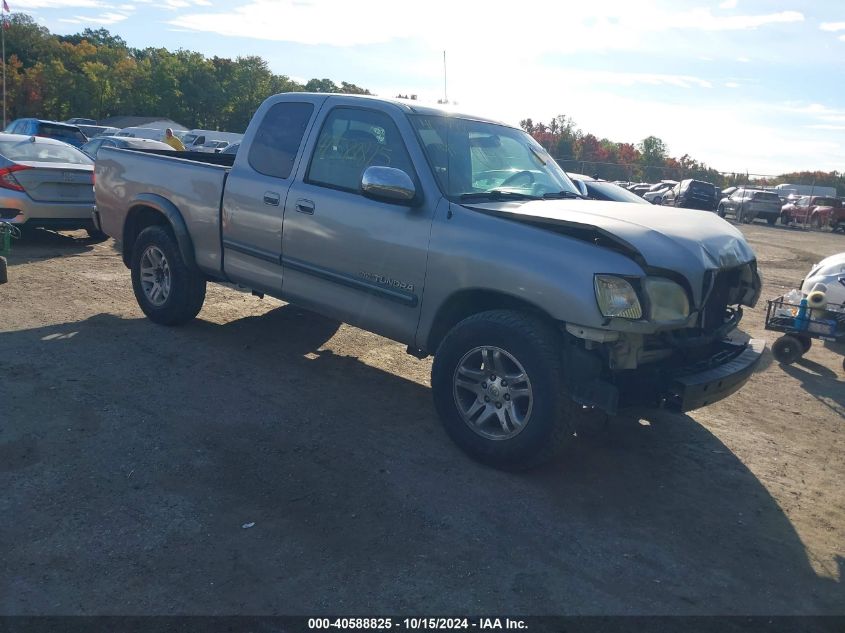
x,y
684,388
701,388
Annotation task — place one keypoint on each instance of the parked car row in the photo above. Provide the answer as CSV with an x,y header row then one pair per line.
x,y
743,203
78,132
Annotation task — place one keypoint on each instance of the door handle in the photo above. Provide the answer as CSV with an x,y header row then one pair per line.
x,y
305,206
271,198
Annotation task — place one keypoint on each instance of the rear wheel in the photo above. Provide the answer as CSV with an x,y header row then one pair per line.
x,y
168,291
806,343
497,384
787,349
772,220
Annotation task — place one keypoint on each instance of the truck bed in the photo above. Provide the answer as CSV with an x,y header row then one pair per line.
x,y
190,182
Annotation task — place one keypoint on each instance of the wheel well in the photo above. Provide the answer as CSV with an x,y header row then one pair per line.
x,y
468,302
139,218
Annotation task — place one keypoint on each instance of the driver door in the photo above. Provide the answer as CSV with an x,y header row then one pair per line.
x,y
360,260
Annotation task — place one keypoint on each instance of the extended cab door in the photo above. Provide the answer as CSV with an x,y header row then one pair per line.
x,y
255,192
360,260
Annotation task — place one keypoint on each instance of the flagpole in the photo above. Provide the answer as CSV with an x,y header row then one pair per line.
x,y
4,63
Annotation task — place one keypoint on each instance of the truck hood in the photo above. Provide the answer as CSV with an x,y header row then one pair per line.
x,y
686,241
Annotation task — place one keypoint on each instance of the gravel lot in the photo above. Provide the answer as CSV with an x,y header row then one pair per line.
x,y
132,456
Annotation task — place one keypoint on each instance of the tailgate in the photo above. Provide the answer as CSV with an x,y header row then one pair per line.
x,y
182,190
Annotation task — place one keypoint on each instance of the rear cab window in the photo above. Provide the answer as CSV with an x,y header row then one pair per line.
x,y
279,137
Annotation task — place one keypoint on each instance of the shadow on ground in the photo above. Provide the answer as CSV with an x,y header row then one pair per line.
x,y
246,468
37,244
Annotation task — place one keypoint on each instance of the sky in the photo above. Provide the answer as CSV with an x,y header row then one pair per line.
x,y
743,85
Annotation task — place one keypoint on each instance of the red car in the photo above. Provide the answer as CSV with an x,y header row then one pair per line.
x,y
817,211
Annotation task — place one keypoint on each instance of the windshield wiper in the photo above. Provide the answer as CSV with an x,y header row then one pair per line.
x,y
496,194
558,195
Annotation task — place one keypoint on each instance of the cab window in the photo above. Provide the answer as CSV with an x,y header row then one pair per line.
x,y
351,140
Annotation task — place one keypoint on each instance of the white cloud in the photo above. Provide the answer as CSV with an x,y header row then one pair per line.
x,y
832,26
105,19
57,4
743,60
614,25
173,5
728,4
731,84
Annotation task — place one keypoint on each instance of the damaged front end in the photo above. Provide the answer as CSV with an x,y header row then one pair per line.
x,y
682,367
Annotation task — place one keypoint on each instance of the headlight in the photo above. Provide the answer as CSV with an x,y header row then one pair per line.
x,y
617,298
667,300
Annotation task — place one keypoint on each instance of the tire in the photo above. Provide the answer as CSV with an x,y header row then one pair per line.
x,y
806,343
738,215
547,412
720,211
772,220
787,349
816,222
94,234
186,290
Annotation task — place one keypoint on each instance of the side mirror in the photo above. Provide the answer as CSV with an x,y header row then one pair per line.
x,y
387,184
582,188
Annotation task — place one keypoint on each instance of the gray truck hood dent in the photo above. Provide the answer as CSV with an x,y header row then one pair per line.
x,y
684,240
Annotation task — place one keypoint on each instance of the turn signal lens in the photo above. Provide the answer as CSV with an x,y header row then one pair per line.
x,y
617,298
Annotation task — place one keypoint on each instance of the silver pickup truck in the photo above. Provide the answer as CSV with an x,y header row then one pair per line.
x,y
460,237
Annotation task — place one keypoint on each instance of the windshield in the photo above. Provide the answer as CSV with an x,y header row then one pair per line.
x,y
473,157
43,152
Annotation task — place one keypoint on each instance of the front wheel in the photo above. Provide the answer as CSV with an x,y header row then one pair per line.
x,y
497,382
787,349
168,291
720,211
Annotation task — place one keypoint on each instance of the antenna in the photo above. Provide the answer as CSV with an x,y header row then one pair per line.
x,y
445,93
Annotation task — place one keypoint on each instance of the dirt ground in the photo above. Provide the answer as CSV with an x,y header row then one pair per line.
x,y
132,456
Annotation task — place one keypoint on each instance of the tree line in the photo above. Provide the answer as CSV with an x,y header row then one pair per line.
x,y
94,74
648,160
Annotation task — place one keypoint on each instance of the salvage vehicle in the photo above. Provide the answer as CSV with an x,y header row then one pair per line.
x,y
603,190
460,237
92,147
70,134
746,205
656,192
691,194
45,183
815,211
